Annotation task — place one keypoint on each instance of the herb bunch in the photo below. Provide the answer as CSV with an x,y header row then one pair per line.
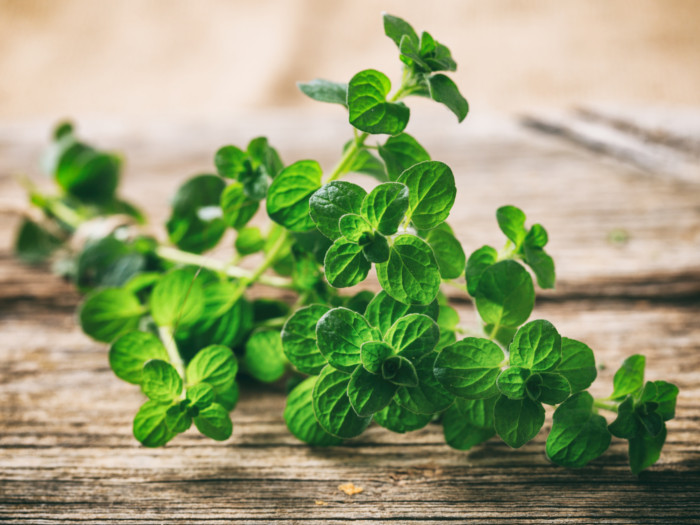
x,y
182,324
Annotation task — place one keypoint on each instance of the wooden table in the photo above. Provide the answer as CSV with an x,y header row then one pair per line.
x,y
624,224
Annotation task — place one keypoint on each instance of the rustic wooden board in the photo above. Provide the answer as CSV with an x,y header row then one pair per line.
x,y
66,450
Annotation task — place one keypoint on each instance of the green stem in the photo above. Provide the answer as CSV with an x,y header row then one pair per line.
x,y
175,255
347,159
166,335
600,403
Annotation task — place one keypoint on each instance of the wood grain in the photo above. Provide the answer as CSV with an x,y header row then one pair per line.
x,y
66,450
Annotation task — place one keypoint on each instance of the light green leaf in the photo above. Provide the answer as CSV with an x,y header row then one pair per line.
x,y
331,202
345,264
477,264
332,406
325,91
289,194
666,394
397,419
505,295
340,335
300,418
214,365
400,153
536,346
299,339
236,206
110,313
511,382
629,379
517,421
431,193
369,393
373,354
201,395
511,221
177,299
249,240
448,252
160,381
369,109
383,311
410,275
469,422
413,336
353,227
178,418
385,207
445,91
214,422
395,28
231,162
264,358
577,364
150,427
129,353
542,264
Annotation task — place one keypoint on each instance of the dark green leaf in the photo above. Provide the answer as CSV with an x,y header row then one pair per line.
x,y
177,299
517,421
400,153
448,252
554,388
429,397
150,426
332,406
629,379
645,450
385,207
300,418
369,109
345,265
478,262
214,422
325,91
88,174
160,381
34,244
264,358
400,371
369,393
397,419
469,422
299,339
625,425
129,353
445,91
395,28
214,365
340,334
577,364
383,311
431,193
505,295
542,264
289,194
373,354
512,381
377,249
536,346
109,313
578,434
178,418
237,207
331,202
413,336
666,398
264,157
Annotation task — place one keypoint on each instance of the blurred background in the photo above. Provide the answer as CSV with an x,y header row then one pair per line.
x,y
214,58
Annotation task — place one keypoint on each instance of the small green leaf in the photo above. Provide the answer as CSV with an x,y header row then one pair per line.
x,y
200,395
86,173
228,397
160,381
332,406
300,419
331,202
542,264
129,353
249,240
512,381
385,207
353,227
325,91
340,334
299,339
395,28
264,157
629,379
410,275
536,346
264,358
645,450
289,194
230,162
448,252
177,299
214,365
554,389
366,162
214,422
517,421
345,264
34,244
429,397
505,295
477,264
578,434
625,425
383,311
397,419
150,427
413,336
369,109
666,398
431,193
237,207
400,153
400,371
373,354
445,91
376,250
369,393
511,221
110,313
178,418
469,422
577,364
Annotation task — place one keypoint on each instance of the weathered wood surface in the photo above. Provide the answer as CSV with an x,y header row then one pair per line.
x,y
627,247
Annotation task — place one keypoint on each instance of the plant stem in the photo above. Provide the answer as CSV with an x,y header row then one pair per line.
x,y
348,157
601,403
175,255
166,335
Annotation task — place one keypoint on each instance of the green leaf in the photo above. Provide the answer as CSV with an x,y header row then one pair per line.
x,y
399,371
478,262
249,240
629,379
177,299
376,250
345,265
214,422
369,109
129,353
110,313
511,221
228,397
299,339
383,311
214,365
90,175
325,91
469,422
111,262
237,207
625,425
178,418
385,207
331,202
358,302
666,398
410,275
373,354
196,223
264,157
395,28
34,244
264,358
332,406
517,421
413,336
353,227
366,162
505,295
445,91
201,395
400,153
300,418
397,419
369,393
554,388
578,434
431,193
542,264
512,382
429,397
160,381
448,252
645,450
340,334
289,194
577,364
150,426
536,346
231,162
